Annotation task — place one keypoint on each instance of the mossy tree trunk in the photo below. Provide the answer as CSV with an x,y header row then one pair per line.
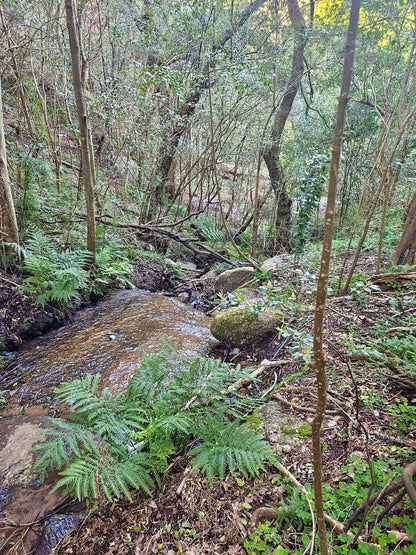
x,y
271,153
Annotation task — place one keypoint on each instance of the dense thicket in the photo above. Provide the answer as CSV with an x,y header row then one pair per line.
x,y
184,99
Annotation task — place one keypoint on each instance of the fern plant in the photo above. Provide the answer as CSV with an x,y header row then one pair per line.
x,y
113,442
61,276
111,265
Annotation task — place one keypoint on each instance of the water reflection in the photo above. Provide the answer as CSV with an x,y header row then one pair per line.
x,y
108,338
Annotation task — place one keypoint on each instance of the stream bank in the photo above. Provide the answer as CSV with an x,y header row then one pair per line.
x,y
108,338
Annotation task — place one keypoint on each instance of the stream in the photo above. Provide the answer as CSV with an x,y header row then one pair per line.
x,y
109,339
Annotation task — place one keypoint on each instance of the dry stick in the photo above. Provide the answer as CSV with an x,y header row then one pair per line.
x,y
300,408
320,357
256,373
8,281
183,240
305,492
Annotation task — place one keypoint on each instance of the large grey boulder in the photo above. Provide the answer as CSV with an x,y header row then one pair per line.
x,y
240,327
230,280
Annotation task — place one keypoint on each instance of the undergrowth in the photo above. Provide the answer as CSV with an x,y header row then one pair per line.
x,y
54,275
113,442
291,532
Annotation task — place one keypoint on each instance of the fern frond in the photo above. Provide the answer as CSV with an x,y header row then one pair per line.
x,y
79,478
178,422
230,446
66,439
85,477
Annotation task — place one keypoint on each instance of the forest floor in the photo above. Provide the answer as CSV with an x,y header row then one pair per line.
x,y
186,515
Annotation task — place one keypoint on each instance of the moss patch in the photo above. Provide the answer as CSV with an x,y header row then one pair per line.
x,y
240,327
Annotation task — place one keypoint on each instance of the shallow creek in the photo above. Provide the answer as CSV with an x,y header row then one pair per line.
x,y
108,339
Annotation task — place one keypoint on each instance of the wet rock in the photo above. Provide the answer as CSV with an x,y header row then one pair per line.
x,y
16,459
56,527
240,327
230,280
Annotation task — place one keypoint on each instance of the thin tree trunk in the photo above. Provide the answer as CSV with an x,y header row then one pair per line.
x,y
187,109
271,153
406,248
87,162
320,357
9,231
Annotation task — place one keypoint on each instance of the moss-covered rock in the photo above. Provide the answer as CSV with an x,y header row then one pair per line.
x,y
240,327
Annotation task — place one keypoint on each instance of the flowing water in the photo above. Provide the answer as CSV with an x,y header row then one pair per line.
x,y
109,339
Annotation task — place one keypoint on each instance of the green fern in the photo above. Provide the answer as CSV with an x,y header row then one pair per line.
x,y
113,442
111,266
230,446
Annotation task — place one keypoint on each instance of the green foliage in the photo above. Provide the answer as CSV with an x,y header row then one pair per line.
x,y
35,174
112,442
229,446
61,276
402,413
2,397
53,276
111,265
293,514
312,184
263,539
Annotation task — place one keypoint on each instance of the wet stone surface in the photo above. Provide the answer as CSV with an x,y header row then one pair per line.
x,y
108,339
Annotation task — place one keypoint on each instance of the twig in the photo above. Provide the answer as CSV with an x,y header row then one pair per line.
x,y
305,492
8,281
270,388
256,373
299,408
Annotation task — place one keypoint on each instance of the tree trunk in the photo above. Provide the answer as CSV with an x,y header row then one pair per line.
x,y
87,162
9,231
319,354
405,250
187,109
271,153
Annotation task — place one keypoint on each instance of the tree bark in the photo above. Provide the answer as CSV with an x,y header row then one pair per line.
x,y
406,248
9,231
271,153
187,109
319,354
87,161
